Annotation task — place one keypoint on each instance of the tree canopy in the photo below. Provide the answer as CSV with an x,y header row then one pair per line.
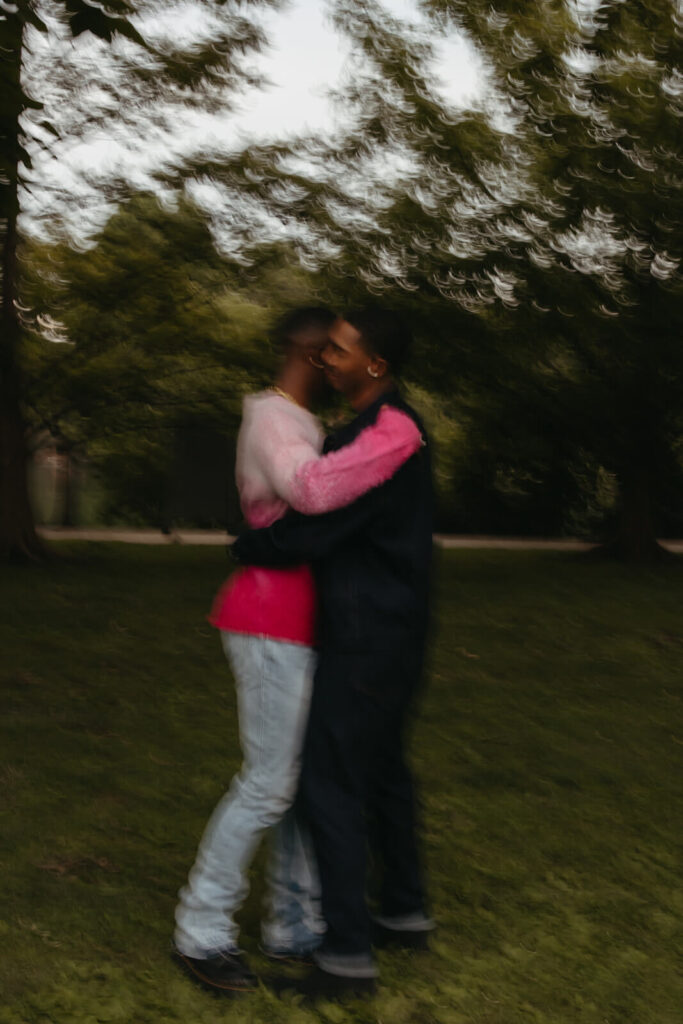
x,y
539,236
535,235
138,66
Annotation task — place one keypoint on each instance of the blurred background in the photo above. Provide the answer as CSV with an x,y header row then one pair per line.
x,y
175,174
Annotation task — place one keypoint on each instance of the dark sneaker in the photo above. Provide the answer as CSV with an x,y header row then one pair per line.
x,y
288,956
395,938
223,973
319,984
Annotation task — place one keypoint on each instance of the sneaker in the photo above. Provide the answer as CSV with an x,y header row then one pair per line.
x,y
288,956
223,973
399,938
319,984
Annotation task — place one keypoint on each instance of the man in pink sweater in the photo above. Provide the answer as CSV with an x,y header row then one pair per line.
x,y
267,619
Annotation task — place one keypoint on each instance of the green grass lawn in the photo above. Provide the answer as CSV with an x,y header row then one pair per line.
x,y
549,748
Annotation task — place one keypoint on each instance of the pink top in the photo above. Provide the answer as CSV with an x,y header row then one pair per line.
x,y
279,466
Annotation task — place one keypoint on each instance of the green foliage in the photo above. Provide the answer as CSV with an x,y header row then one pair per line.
x,y
141,321
136,73
594,225
148,333
537,236
548,748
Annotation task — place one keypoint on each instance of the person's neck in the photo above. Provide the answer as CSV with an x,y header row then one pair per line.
x,y
295,386
373,390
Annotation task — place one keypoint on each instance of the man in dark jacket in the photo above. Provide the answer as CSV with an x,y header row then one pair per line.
x,y
372,565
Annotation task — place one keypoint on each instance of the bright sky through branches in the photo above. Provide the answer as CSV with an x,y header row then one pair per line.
x,y
305,59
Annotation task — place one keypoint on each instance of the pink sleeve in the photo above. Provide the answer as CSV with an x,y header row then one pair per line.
x,y
340,477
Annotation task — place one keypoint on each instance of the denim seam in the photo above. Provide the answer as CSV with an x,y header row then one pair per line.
x,y
262,701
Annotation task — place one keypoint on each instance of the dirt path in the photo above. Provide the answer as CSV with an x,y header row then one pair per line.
x,y
218,538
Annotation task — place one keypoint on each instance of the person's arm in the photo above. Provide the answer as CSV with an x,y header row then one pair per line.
x,y
340,477
298,538
312,483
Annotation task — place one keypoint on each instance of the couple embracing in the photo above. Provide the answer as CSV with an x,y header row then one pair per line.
x,y
324,626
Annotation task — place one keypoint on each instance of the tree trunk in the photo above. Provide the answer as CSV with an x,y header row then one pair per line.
x,y
18,538
635,539
69,479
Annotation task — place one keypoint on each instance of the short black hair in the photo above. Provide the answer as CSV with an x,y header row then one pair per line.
x,y
302,319
384,332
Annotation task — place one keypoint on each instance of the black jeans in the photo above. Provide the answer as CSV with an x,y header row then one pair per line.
x,y
356,788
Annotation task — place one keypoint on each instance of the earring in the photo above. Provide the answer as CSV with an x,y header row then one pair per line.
x,y
318,366
373,373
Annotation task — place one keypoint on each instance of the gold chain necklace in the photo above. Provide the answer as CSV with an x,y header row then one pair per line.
x,y
286,394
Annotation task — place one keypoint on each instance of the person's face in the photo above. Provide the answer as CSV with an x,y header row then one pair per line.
x,y
347,364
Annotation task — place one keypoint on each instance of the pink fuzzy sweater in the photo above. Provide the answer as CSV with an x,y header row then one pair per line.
x,y
279,466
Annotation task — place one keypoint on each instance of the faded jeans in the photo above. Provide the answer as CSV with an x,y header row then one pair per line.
x,y
273,680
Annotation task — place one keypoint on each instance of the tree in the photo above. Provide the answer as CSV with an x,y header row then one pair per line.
x,y
150,66
146,338
595,92
538,235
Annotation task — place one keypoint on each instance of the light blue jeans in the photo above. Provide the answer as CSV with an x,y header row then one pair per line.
x,y
273,680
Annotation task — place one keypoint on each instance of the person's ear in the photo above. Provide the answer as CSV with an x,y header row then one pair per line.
x,y
378,367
